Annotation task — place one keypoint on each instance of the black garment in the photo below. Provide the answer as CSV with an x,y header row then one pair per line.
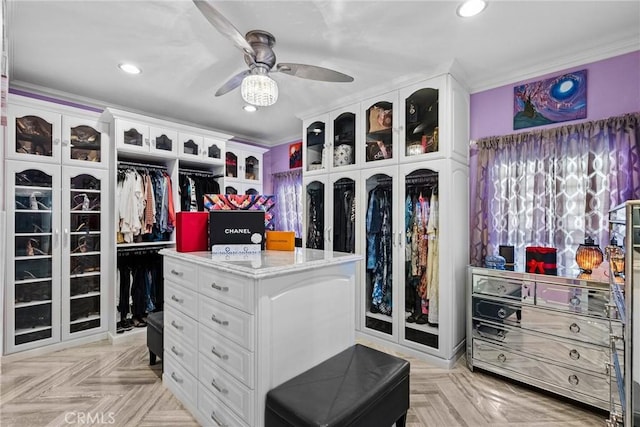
x,y
203,185
344,218
315,231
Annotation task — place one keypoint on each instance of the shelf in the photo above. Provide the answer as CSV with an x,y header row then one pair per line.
x,y
379,316
85,319
423,328
145,244
32,303
87,295
36,280
31,330
30,257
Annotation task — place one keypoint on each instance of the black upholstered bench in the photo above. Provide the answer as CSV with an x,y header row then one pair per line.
x,y
155,342
359,387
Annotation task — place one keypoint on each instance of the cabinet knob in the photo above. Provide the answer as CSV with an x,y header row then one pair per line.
x,y
65,142
502,289
502,358
574,328
56,141
574,354
573,379
575,301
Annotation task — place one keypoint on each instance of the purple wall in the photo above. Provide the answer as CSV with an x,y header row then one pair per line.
x,y
613,89
278,161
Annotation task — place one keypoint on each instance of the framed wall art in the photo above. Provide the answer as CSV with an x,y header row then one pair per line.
x,y
553,100
295,155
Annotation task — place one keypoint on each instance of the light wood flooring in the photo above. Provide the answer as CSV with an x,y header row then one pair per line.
x,y
103,384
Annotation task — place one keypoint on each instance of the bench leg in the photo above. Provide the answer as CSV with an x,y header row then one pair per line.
x,y
402,421
152,358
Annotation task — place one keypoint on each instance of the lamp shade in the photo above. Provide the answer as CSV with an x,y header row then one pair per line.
x,y
259,89
589,255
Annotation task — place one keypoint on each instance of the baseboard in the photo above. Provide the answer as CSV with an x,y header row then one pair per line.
x,y
132,335
53,347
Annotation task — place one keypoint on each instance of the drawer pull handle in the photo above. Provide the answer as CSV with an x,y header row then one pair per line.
x,y
176,299
502,289
218,321
218,355
175,351
175,378
574,354
217,387
219,288
499,335
175,325
502,313
575,301
216,420
502,358
573,380
177,273
574,328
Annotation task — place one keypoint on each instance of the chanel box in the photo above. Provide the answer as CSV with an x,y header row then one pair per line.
x,y
236,231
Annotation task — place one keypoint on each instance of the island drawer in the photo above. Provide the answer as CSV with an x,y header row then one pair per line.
x,y
236,291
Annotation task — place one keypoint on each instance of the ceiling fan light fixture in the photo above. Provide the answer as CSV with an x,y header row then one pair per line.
x,y
471,8
259,89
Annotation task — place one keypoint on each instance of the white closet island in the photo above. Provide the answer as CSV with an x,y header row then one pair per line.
x,y
234,329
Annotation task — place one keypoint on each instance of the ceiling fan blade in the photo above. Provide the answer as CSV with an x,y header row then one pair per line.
x,y
313,72
223,25
232,83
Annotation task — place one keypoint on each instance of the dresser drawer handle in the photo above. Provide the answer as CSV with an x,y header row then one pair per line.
x,y
217,387
573,380
502,358
175,325
574,328
219,288
575,301
175,351
176,299
502,289
218,355
216,420
175,378
574,354
218,321
177,273
502,313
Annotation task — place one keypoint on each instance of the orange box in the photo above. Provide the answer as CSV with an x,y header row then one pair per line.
x,y
281,240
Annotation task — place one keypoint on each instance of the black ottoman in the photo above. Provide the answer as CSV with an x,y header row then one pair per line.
x,y
359,387
154,335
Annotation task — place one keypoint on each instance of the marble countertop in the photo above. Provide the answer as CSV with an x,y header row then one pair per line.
x,y
266,263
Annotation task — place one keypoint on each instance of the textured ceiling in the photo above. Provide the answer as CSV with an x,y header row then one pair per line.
x,y
73,47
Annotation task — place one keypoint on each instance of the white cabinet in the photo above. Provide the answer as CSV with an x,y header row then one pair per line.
x,y
410,150
243,168
140,137
200,148
56,278
38,132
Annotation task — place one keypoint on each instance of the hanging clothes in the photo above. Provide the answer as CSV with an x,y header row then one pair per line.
x,y
379,256
344,218
193,187
315,212
433,270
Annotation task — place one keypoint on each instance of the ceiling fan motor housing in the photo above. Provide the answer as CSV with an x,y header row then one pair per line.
x,y
262,43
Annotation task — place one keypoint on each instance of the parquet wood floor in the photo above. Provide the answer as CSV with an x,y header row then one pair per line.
x,y
101,384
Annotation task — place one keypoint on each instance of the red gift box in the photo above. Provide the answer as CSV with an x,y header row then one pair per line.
x,y
541,260
192,231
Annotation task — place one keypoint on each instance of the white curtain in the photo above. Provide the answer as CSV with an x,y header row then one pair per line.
x,y
287,187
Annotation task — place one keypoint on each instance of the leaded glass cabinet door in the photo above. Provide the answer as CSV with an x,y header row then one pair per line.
x,y
85,142
33,134
251,168
379,250
344,150
33,257
420,258
83,259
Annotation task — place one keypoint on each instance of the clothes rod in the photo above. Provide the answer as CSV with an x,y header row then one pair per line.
x,y
205,173
141,165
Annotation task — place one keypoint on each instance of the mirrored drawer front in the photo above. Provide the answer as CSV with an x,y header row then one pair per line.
x,y
567,352
577,381
579,300
237,292
184,299
588,329
515,290
178,379
228,355
227,321
180,272
185,354
226,388
215,413
184,327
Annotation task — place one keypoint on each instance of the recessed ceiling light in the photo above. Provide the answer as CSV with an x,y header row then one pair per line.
x,y
129,68
471,8
249,108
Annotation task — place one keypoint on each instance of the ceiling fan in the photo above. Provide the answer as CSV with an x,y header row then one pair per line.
x,y
256,86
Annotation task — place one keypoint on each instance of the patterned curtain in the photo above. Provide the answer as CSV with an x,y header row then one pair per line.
x,y
287,187
552,187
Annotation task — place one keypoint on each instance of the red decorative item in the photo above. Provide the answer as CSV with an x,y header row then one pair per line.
x,y
192,231
541,260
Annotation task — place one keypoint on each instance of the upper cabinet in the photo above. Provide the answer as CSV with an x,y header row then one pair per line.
x,y
66,136
243,168
315,144
142,136
380,123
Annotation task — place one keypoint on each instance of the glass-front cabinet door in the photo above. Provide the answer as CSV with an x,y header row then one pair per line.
x,y
33,261
344,149
85,141
83,259
132,136
420,265
33,132
315,146
190,146
379,118
251,168
213,149
380,243
163,140
316,232
345,220
231,165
